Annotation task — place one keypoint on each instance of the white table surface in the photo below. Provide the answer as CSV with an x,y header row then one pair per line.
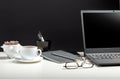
x,y
10,69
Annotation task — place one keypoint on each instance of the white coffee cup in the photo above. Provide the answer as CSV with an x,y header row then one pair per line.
x,y
11,50
29,52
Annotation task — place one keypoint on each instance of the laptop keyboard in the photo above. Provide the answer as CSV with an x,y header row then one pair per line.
x,y
105,56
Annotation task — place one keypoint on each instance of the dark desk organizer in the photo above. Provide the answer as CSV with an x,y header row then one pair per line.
x,y
44,46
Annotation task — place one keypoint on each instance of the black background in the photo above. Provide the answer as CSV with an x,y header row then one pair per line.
x,y
58,20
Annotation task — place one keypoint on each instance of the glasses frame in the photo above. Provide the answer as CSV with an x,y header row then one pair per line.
x,y
77,64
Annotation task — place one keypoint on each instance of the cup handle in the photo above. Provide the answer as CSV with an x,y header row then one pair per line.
x,y
40,52
2,46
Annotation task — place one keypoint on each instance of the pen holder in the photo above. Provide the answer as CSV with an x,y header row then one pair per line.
x,y
43,45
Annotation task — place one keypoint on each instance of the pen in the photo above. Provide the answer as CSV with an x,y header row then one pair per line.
x,y
40,36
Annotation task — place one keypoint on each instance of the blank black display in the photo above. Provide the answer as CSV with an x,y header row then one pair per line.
x,y
102,30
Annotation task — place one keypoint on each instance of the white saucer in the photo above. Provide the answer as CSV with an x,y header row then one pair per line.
x,y
37,59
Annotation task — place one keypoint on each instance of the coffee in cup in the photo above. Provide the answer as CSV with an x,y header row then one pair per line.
x,y
11,48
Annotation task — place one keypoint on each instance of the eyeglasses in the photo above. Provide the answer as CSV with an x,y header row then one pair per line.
x,y
84,63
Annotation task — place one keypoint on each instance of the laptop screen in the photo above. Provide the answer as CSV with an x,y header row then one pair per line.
x,y
101,29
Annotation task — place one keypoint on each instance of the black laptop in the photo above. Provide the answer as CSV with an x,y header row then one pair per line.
x,y
101,36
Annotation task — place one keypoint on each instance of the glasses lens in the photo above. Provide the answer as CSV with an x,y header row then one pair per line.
x,y
71,65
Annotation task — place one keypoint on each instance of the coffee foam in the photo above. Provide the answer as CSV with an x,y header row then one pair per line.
x,y
11,42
